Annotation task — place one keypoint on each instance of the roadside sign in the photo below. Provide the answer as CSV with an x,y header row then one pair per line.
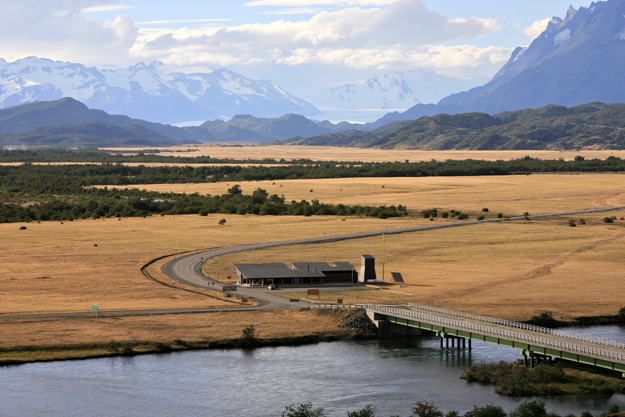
x,y
294,300
312,292
94,308
231,288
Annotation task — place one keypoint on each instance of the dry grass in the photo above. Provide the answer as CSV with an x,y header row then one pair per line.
x,y
50,333
328,153
57,267
511,270
511,195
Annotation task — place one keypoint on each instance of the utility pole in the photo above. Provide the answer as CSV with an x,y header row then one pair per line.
x,y
383,253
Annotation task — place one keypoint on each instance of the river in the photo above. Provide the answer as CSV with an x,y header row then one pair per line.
x,y
339,377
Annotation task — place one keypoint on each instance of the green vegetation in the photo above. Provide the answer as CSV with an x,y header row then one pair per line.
x,y
593,125
533,408
65,192
545,379
249,337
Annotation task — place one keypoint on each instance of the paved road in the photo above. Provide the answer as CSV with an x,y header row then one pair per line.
x,y
187,269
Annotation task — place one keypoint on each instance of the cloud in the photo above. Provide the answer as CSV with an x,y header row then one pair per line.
x,y
304,3
299,10
165,22
536,28
392,32
106,8
57,29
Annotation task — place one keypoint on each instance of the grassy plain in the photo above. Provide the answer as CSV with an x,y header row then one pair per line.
x,y
510,269
329,153
510,195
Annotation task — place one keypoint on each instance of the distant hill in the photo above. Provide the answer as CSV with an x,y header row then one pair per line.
x,y
589,126
67,122
86,135
576,60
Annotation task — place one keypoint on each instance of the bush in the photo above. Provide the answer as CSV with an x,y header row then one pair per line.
x,y
222,222
302,410
608,220
23,228
572,223
480,217
500,215
426,409
621,315
249,337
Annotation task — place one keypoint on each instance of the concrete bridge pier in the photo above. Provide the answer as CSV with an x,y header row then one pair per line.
x,y
462,342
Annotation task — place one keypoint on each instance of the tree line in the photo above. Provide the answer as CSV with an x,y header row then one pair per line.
x,y
530,408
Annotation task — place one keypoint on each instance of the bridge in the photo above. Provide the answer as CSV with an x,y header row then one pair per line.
x,y
532,341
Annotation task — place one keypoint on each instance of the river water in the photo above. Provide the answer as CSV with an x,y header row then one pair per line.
x,y
339,377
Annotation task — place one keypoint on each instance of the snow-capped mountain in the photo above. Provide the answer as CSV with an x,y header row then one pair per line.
x,y
151,92
389,91
576,60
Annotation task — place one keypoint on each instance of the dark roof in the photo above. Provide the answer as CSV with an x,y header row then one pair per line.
x,y
301,270
323,266
254,271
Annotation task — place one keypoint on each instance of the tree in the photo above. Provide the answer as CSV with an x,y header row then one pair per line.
x,y
535,408
249,337
235,190
425,409
365,412
489,410
302,410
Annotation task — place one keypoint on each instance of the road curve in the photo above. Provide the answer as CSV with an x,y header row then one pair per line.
x,y
187,269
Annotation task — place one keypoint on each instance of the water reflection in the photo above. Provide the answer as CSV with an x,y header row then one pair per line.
x,y
337,376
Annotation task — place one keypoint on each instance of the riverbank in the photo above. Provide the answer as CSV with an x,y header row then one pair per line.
x,y
44,340
547,379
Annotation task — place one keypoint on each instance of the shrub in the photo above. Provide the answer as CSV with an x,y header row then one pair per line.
x,y
608,220
485,210
23,228
480,217
621,315
222,222
302,410
582,221
500,215
249,337
572,223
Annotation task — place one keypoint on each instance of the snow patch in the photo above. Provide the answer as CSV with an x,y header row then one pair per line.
x,y
562,37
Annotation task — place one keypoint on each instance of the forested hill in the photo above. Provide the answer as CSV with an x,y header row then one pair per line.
x,y
589,126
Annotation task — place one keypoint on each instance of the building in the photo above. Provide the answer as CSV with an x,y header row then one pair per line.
x,y
314,273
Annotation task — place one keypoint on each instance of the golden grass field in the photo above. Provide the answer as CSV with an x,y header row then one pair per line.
x,y
510,195
510,270
329,153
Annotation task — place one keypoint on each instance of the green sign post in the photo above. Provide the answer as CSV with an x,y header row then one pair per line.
x,y
94,308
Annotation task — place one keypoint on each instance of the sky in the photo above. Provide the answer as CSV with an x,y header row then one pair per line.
x,y
303,45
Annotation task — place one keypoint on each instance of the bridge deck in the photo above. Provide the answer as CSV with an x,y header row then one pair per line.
x,y
532,340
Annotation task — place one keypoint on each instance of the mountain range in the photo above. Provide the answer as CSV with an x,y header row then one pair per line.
x,y
588,126
153,92
69,123
576,60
